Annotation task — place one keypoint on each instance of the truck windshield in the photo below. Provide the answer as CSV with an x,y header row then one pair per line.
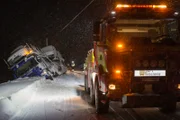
x,y
25,67
144,31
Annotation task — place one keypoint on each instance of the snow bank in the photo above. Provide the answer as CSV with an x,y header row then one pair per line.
x,y
11,104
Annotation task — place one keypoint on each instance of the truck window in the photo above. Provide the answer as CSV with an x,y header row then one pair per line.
x,y
144,31
26,66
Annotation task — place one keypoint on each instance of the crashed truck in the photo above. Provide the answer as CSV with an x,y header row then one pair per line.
x,y
56,59
135,59
27,61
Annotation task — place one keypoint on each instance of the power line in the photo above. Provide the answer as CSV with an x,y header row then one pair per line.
x,y
76,16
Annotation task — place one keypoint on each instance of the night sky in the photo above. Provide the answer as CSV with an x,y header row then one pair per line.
x,y
34,21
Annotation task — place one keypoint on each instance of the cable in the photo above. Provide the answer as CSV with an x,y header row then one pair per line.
x,y
77,16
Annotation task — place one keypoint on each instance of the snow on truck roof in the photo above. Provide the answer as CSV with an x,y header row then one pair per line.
x,y
19,51
18,48
48,48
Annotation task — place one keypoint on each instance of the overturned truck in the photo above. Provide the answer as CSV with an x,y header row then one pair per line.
x,y
27,61
135,58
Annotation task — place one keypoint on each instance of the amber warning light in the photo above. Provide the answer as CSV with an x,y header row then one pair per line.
x,y
119,46
140,6
118,71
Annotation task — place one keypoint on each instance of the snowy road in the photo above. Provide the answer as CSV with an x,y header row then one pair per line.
x,y
64,99
57,100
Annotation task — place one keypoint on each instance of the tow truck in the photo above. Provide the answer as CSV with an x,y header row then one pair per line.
x,y
135,59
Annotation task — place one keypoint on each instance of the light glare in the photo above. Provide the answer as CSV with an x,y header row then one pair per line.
x,y
118,71
159,6
112,87
113,12
140,6
122,6
176,13
119,45
178,86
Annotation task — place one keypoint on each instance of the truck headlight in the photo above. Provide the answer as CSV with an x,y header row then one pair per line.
x,y
178,86
112,86
44,73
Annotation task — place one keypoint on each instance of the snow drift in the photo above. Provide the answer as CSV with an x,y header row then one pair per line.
x,y
14,100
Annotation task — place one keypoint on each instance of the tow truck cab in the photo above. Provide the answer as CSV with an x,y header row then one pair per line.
x,y
136,50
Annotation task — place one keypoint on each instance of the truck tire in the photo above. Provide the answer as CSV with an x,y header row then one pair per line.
x,y
87,90
169,103
55,74
50,75
100,107
92,96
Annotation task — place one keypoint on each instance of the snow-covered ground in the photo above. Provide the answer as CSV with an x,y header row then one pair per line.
x,y
15,95
63,99
41,99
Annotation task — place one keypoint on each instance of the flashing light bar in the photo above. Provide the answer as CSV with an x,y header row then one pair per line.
x,y
140,6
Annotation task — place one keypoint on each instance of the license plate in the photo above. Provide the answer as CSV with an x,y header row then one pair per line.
x,y
149,73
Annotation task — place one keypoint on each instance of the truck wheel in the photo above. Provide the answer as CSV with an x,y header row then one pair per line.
x,y
55,74
87,90
169,104
49,77
92,96
100,107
